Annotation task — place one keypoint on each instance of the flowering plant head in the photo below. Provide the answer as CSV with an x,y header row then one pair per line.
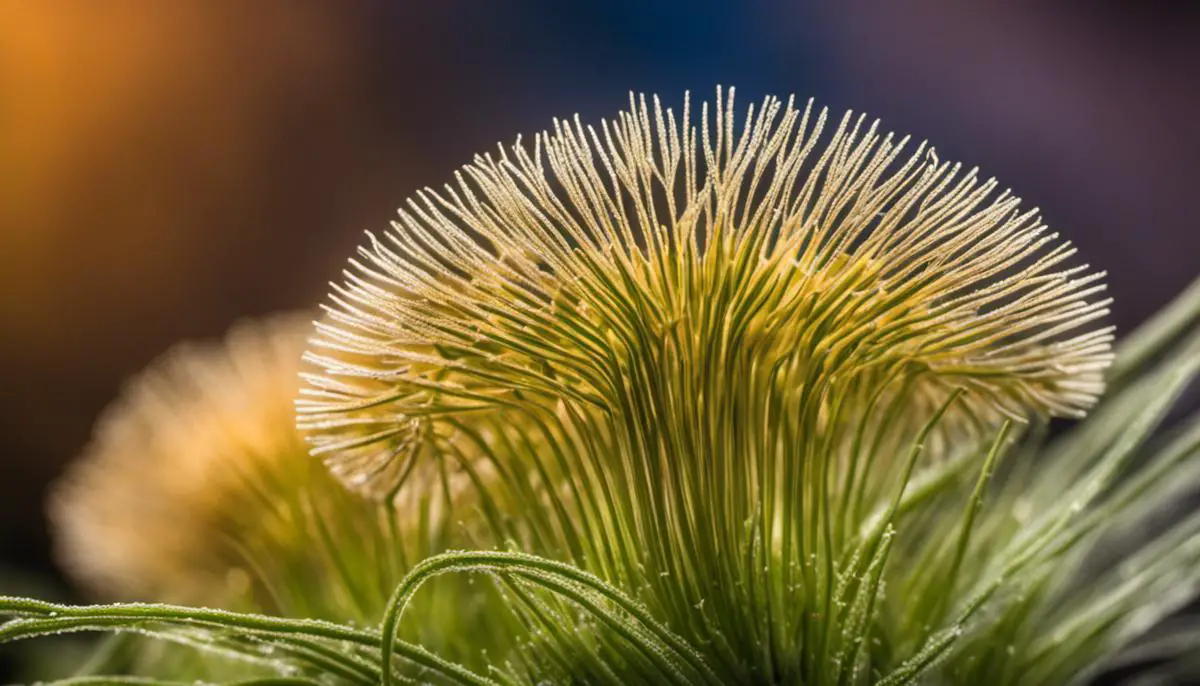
x,y
555,272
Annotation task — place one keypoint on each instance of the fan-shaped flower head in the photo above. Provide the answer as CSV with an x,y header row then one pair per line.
x,y
706,358
758,252
197,488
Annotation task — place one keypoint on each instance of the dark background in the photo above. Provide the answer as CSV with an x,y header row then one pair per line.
x,y
169,167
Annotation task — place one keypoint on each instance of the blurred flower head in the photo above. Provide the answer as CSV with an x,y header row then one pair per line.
x,y
196,488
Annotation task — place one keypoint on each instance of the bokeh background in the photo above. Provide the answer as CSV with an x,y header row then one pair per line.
x,y
167,167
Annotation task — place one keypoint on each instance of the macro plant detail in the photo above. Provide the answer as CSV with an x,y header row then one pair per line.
x,y
758,398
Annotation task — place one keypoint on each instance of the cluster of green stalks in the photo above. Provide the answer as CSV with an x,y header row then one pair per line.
x,y
762,399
